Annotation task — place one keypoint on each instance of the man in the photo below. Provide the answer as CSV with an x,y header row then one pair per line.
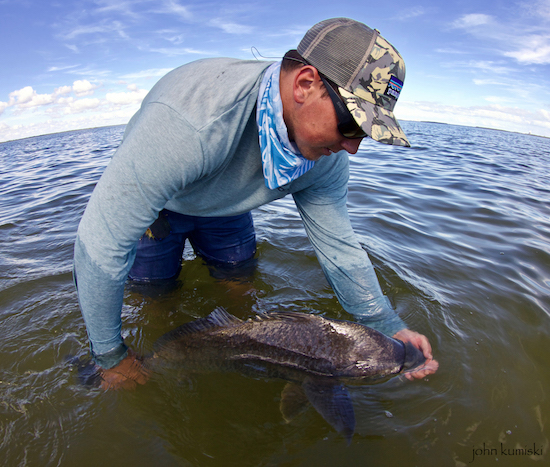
x,y
217,138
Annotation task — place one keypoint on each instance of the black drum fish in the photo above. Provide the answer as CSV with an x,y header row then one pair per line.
x,y
315,355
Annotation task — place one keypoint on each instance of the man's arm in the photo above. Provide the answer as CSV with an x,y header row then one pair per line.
x,y
157,158
346,265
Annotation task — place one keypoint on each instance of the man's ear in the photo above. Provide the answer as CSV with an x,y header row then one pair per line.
x,y
304,83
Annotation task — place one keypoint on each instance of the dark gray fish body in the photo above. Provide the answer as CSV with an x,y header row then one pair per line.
x,y
313,352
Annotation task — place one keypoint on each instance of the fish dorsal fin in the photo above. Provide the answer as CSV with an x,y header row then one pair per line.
x,y
219,318
283,316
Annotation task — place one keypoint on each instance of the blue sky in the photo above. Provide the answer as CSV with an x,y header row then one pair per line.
x,y
75,64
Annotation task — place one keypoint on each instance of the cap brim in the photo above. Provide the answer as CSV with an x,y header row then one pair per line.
x,y
380,124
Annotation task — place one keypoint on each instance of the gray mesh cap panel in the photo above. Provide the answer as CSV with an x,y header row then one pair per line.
x,y
368,70
337,48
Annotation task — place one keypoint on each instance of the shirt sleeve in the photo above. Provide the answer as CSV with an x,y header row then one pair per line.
x,y
345,263
159,156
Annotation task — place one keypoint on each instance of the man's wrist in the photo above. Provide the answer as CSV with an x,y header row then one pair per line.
x,y
112,358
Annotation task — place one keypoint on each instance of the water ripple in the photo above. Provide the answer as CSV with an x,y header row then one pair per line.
x,y
458,229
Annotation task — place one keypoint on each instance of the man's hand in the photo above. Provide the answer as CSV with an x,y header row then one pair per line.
x,y
421,343
126,375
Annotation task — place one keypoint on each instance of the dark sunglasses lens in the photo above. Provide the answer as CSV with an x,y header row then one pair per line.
x,y
346,123
352,131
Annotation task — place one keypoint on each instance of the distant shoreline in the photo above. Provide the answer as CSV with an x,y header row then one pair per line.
x,y
63,132
480,127
402,120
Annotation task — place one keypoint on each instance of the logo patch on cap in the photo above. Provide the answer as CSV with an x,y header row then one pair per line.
x,y
394,88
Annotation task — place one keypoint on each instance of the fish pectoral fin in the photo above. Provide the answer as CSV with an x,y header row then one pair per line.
x,y
331,399
293,401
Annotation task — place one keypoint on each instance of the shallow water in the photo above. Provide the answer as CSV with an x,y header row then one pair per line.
x,y
458,228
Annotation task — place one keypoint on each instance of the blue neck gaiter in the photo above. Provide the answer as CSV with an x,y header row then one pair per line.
x,y
281,160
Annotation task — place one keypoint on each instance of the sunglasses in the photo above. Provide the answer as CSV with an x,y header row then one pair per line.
x,y
347,126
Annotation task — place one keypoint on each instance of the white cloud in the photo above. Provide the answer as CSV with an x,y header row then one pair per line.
x,y
515,89
406,14
61,103
61,68
22,96
88,71
62,90
177,51
81,105
117,6
70,105
497,99
535,50
540,8
39,100
56,125
476,66
489,82
126,98
83,87
296,32
525,37
472,21
27,97
83,30
451,51
153,72
489,66
490,116
175,39
231,28
174,8
102,28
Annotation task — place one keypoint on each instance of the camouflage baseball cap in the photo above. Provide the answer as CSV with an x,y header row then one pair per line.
x,y
368,70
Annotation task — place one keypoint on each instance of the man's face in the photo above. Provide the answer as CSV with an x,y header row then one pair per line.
x,y
315,128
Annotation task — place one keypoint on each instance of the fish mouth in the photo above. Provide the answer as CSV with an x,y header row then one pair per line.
x,y
413,358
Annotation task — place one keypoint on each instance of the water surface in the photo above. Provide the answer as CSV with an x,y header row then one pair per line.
x,y
458,228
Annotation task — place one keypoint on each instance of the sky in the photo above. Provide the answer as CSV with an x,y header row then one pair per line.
x,y
74,64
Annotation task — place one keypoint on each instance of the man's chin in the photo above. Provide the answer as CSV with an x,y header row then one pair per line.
x,y
310,156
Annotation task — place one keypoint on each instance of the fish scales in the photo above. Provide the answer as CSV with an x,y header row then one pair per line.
x,y
313,353
298,341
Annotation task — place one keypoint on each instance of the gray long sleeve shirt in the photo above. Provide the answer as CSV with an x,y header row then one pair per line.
x,y
193,148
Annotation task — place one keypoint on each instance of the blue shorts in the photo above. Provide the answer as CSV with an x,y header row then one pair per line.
x,y
227,244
